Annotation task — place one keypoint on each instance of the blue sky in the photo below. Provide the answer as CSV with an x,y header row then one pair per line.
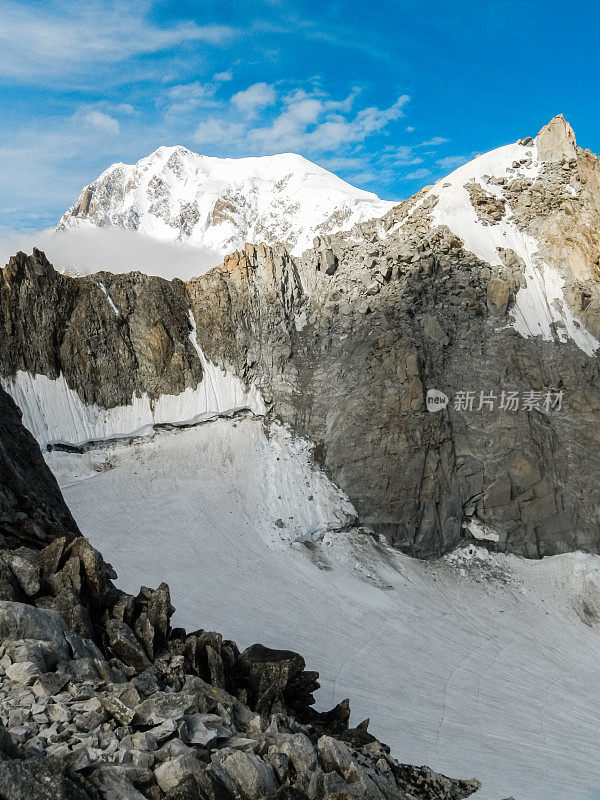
x,y
390,96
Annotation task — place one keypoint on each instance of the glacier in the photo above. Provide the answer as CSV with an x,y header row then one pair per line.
x,y
477,663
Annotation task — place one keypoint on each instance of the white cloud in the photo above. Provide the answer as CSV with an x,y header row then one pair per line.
x,y
41,42
125,108
400,156
185,98
329,130
102,122
217,132
362,178
434,142
185,91
310,123
223,77
253,99
417,175
84,252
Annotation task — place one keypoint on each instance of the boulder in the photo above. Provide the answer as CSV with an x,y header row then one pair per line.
x,y
162,707
171,773
197,732
36,779
117,709
50,684
125,646
20,621
335,756
250,773
300,752
266,674
25,672
24,565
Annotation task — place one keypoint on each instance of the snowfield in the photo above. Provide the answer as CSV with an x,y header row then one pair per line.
x,y
480,665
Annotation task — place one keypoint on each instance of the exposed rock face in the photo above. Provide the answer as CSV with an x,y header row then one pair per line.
x,y
31,505
486,283
556,141
101,698
113,335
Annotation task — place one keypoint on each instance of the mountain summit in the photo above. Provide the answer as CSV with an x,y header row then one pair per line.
x,y
221,203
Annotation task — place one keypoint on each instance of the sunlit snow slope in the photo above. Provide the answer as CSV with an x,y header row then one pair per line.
x,y
479,665
220,203
540,308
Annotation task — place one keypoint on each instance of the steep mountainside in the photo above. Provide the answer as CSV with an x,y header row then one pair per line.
x,y
31,506
221,203
487,282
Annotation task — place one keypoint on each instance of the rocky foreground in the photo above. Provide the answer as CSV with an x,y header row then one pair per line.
x,y
101,698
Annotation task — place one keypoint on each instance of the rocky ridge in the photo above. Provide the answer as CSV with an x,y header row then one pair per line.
x,y
486,282
101,698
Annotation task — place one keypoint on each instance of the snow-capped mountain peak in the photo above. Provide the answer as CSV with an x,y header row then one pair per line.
x,y
221,203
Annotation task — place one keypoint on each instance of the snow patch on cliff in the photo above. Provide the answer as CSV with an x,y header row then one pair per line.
x,y
53,412
541,310
454,207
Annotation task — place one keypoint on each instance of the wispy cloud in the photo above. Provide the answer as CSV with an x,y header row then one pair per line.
x,y
303,121
40,42
102,122
401,156
125,108
418,174
216,130
187,98
435,141
253,99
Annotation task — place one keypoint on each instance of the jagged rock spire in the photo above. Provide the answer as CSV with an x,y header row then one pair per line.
x,y
556,141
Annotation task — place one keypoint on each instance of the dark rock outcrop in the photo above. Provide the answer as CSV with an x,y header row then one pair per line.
x,y
110,335
31,506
